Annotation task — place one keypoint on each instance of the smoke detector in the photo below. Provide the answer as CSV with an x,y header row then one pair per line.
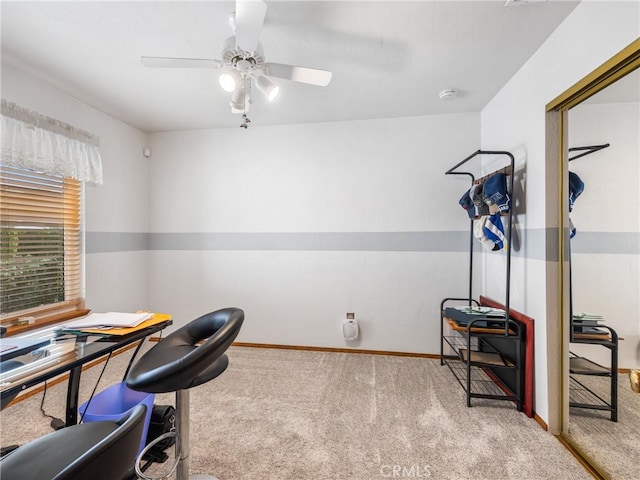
x,y
515,3
447,95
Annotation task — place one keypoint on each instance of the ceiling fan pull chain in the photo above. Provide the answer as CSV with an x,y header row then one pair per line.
x,y
246,84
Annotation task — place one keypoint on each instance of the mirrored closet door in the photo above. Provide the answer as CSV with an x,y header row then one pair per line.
x,y
604,413
600,266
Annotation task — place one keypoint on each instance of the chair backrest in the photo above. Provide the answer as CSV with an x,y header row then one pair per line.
x,y
89,451
179,362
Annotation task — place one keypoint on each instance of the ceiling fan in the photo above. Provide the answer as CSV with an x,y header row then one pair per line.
x,y
242,61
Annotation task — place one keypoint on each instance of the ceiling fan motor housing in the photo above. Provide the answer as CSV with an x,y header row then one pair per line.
x,y
231,54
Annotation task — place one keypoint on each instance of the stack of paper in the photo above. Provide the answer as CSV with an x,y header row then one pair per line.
x,y
106,321
486,311
587,317
587,323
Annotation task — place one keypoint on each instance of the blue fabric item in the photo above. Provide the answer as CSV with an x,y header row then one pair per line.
x,y
482,210
475,193
494,231
466,203
474,210
576,187
572,229
495,192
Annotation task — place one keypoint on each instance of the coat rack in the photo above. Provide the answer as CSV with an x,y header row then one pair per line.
x,y
586,150
509,169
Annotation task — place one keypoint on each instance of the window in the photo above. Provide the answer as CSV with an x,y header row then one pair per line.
x,y
40,246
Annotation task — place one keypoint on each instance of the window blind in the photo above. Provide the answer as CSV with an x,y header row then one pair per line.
x,y
40,246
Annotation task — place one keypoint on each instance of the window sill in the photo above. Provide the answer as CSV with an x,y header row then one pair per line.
x,y
44,322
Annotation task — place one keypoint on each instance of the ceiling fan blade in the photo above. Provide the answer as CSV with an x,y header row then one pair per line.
x,y
249,19
312,76
169,62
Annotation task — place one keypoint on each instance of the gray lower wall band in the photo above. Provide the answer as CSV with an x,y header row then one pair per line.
x,y
109,242
541,242
602,242
327,241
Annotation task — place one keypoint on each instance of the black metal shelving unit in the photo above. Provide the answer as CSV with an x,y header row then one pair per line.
x,y
487,358
583,393
494,368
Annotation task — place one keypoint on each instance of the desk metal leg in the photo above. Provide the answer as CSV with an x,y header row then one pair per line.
x,y
73,388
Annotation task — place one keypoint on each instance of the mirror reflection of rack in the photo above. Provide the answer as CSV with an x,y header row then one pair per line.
x,y
600,455
587,150
604,119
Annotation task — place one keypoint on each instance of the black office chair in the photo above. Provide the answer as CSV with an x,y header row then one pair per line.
x,y
177,363
90,451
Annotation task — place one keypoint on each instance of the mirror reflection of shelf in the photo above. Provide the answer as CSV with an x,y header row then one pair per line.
x,y
586,150
587,326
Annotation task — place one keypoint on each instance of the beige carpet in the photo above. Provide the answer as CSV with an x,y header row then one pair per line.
x,y
287,414
614,446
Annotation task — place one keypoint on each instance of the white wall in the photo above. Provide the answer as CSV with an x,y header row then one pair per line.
x,y
300,224
116,264
605,262
515,120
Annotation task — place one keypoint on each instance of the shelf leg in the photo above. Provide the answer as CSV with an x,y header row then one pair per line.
x,y
441,338
614,383
468,369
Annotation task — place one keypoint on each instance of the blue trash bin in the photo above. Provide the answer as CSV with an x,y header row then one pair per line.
x,y
113,402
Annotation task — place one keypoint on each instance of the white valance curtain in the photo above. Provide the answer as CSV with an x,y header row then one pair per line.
x,y
43,144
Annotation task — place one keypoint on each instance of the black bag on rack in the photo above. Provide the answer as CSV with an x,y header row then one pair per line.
x,y
163,419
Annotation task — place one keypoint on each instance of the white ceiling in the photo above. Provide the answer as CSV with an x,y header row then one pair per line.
x,y
389,59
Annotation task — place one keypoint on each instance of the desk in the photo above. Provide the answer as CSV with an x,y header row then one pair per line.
x,y
68,353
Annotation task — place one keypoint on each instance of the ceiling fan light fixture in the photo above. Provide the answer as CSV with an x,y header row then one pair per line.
x,y
232,21
229,80
267,87
238,102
